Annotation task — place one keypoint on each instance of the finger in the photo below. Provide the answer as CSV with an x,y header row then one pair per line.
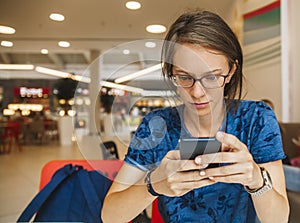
x,y
236,178
232,169
173,155
187,176
187,186
221,157
182,188
230,141
180,165
188,165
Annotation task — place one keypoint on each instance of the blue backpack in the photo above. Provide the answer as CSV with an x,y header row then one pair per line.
x,y
73,195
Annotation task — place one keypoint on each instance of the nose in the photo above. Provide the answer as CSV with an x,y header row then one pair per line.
x,y
197,90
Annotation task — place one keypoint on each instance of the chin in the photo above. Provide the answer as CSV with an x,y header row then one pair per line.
x,y
199,111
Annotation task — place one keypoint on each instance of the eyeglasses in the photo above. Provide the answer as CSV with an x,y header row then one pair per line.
x,y
208,81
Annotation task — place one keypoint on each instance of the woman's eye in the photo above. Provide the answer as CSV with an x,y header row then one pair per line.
x,y
185,78
210,78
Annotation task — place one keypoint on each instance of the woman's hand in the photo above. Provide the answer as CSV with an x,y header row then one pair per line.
x,y
175,177
241,167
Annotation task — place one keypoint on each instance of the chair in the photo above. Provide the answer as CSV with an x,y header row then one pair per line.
x,y
6,139
36,131
109,167
109,150
9,134
17,134
156,217
51,130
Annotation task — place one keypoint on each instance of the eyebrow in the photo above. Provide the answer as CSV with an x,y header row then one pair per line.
x,y
178,70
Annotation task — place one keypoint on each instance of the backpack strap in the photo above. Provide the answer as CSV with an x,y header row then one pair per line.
x,y
90,194
59,176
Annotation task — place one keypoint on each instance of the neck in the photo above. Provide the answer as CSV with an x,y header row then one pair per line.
x,y
206,125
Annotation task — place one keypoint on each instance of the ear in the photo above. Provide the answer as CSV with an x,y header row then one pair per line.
x,y
232,72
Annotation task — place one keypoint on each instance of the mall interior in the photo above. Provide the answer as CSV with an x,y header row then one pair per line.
x,y
75,75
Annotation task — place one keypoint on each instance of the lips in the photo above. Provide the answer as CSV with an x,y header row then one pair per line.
x,y
200,105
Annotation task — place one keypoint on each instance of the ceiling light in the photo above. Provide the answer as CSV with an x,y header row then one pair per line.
x,y
150,44
7,30
44,51
133,5
121,87
52,72
139,73
126,52
64,44
16,67
57,17
6,43
81,78
156,28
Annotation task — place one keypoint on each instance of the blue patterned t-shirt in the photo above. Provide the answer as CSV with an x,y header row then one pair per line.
x,y
254,123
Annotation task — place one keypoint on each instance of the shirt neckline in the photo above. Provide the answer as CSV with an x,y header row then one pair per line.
x,y
185,132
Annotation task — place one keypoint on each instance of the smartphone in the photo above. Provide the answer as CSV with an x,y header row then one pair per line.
x,y
192,147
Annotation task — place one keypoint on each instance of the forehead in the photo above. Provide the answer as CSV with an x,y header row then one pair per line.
x,y
196,59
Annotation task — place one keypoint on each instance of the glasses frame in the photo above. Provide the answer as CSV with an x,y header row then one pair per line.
x,y
173,78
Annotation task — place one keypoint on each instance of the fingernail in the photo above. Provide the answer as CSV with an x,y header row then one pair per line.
x,y
198,160
203,166
202,173
211,178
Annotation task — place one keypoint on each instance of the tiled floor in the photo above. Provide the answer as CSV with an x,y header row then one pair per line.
x,y
20,174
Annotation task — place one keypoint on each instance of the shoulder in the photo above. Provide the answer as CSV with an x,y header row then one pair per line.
x,y
253,109
250,118
168,115
158,119
261,131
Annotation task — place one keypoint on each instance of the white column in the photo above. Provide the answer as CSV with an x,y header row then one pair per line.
x,y
65,128
94,87
89,144
290,35
285,61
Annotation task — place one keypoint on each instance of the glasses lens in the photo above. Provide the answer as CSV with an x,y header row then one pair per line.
x,y
184,80
212,81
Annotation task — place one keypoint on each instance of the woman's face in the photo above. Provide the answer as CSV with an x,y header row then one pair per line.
x,y
199,62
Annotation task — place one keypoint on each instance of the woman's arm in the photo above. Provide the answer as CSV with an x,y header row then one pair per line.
x,y
127,197
273,205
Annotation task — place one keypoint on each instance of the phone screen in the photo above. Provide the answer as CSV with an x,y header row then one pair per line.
x,y
192,147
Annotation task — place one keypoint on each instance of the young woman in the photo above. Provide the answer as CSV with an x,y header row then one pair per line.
x,y
203,60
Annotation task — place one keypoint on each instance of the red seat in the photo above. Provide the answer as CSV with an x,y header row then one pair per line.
x,y
111,167
156,217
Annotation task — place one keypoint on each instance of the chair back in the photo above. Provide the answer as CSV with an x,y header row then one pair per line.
x,y
109,150
110,167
